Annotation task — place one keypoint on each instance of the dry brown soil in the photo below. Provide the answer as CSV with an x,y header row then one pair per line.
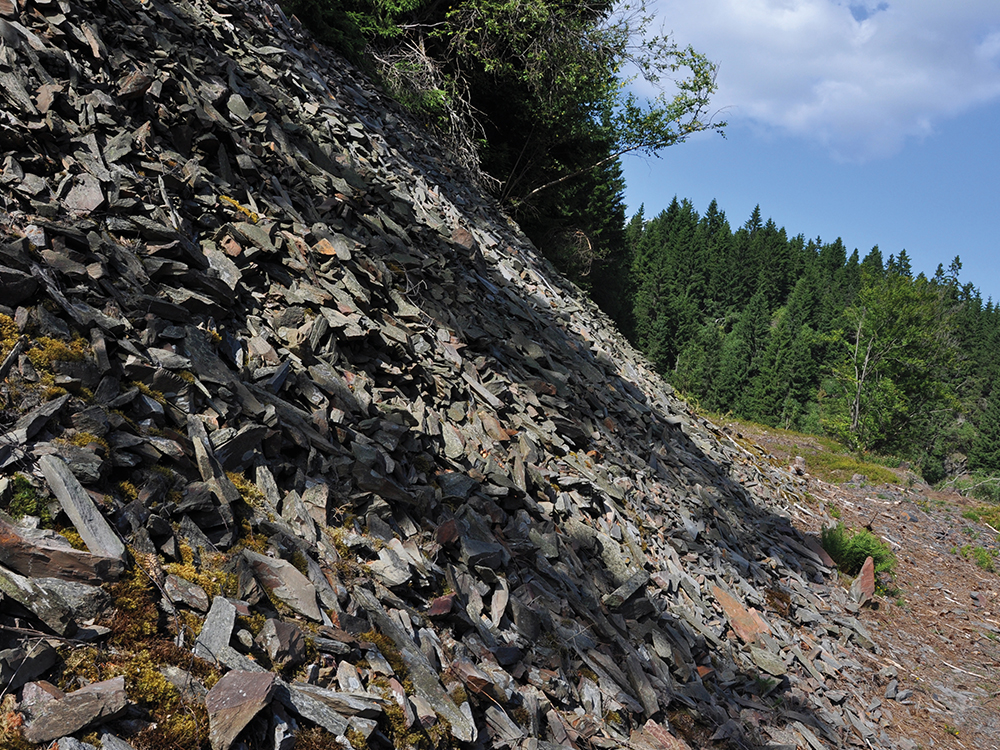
x,y
940,628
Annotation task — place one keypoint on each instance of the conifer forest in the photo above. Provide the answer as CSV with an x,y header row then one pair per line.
x,y
806,335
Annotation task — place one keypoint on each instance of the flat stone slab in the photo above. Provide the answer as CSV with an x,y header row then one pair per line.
x,y
45,605
96,703
22,664
425,680
95,531
745,624
283,580
863,588
44,558
233,702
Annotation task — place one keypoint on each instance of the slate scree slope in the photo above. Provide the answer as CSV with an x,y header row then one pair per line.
x,y
256,330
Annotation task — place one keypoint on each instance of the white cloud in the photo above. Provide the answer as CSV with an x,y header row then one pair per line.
x,y
859,77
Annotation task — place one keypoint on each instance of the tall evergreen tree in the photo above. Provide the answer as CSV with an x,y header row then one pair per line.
x,y
985,452
740,352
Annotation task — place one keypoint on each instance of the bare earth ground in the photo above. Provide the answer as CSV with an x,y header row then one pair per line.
x,y
940,630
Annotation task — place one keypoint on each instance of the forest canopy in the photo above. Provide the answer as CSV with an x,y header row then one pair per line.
x,y
798,334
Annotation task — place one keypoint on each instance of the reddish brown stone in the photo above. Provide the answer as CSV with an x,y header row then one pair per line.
x,y
746,625
441,606
474,678
463,238
324,247
447,533
94,704
40,558
652,736
233,702
863,588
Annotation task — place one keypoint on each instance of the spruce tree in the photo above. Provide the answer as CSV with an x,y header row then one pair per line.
x,y
985,452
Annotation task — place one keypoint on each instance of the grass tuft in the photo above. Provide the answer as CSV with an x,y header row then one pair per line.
x,y
849,549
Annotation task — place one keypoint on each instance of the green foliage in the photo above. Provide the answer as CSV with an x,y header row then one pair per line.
x,y
849,549
981,556
534,97
25,501
984,454
897,345
837,466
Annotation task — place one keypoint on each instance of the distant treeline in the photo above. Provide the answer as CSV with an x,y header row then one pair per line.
x,y
797,333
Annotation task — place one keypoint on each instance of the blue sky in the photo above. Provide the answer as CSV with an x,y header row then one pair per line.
x,y
875,122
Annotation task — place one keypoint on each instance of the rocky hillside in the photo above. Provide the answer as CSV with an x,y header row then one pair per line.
x,y
305,446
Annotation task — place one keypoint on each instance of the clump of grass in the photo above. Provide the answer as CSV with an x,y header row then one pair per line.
x,y
980,556
840,467
984,514
850,548
983,558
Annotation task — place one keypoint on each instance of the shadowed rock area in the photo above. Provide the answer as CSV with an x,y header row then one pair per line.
x,y
284,393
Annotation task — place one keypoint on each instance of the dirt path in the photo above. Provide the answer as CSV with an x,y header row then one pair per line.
x,y
939,631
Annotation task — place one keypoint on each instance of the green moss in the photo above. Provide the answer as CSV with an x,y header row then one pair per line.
x,y
134,616
74,538
83,439
128,491
211,576
317,738
388,649
249,491
301,562
25,501
53,392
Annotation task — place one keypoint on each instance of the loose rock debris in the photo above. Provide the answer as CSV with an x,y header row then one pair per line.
x,y
272,361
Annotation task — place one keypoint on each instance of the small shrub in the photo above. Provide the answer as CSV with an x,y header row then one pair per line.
x,y
849,549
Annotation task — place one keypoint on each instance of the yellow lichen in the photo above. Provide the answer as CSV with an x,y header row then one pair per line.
x,y
249,491
46,350
74,538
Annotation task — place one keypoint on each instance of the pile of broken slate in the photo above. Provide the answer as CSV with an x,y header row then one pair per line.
x,y
254,329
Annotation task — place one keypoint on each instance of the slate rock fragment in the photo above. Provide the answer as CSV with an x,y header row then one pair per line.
x,y
96,703
233,702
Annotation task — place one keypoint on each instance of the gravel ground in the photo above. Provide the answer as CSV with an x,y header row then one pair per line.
x,y
937,622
